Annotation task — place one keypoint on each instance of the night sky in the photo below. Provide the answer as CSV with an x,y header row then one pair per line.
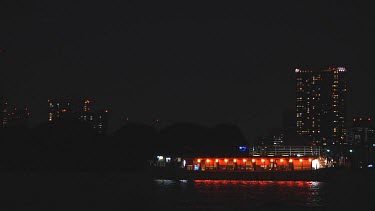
x,y
182,61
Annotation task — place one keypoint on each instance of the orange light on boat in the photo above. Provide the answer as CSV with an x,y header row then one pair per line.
x,y
234,160
271,160
199,160
300,160
217,160
244,160
253,160
226,160
208,160
262,160
290,160
281,160
309,159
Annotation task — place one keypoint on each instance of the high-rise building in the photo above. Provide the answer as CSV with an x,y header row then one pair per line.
x,y
13,115
361,141
321,105
101,121
98,120
19,116
361,131
4,115
59,109
86,114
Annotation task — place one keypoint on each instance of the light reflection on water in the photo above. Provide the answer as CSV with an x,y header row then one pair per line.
x,y
240,193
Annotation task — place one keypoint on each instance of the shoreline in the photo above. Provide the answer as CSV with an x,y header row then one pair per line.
x,y
320,175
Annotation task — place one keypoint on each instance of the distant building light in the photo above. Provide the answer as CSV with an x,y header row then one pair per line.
x,y
159,157
242,148
196,167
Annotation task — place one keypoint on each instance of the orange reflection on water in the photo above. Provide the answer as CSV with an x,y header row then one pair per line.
x,y
258,183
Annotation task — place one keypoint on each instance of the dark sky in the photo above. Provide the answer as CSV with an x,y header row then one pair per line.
x,y
207,63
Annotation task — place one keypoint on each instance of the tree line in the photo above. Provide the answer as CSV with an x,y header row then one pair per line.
x,y
70,145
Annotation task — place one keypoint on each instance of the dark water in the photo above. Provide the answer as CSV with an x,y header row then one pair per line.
x,y
222,194
135,191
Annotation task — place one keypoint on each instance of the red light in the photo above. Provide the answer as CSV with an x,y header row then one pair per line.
x,y
106,111
354,120
360,119
64,110
369,119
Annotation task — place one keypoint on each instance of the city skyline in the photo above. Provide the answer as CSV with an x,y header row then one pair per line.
x,y
77,104
206,63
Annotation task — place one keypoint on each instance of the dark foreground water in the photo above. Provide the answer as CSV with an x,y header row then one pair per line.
x,y
135,191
